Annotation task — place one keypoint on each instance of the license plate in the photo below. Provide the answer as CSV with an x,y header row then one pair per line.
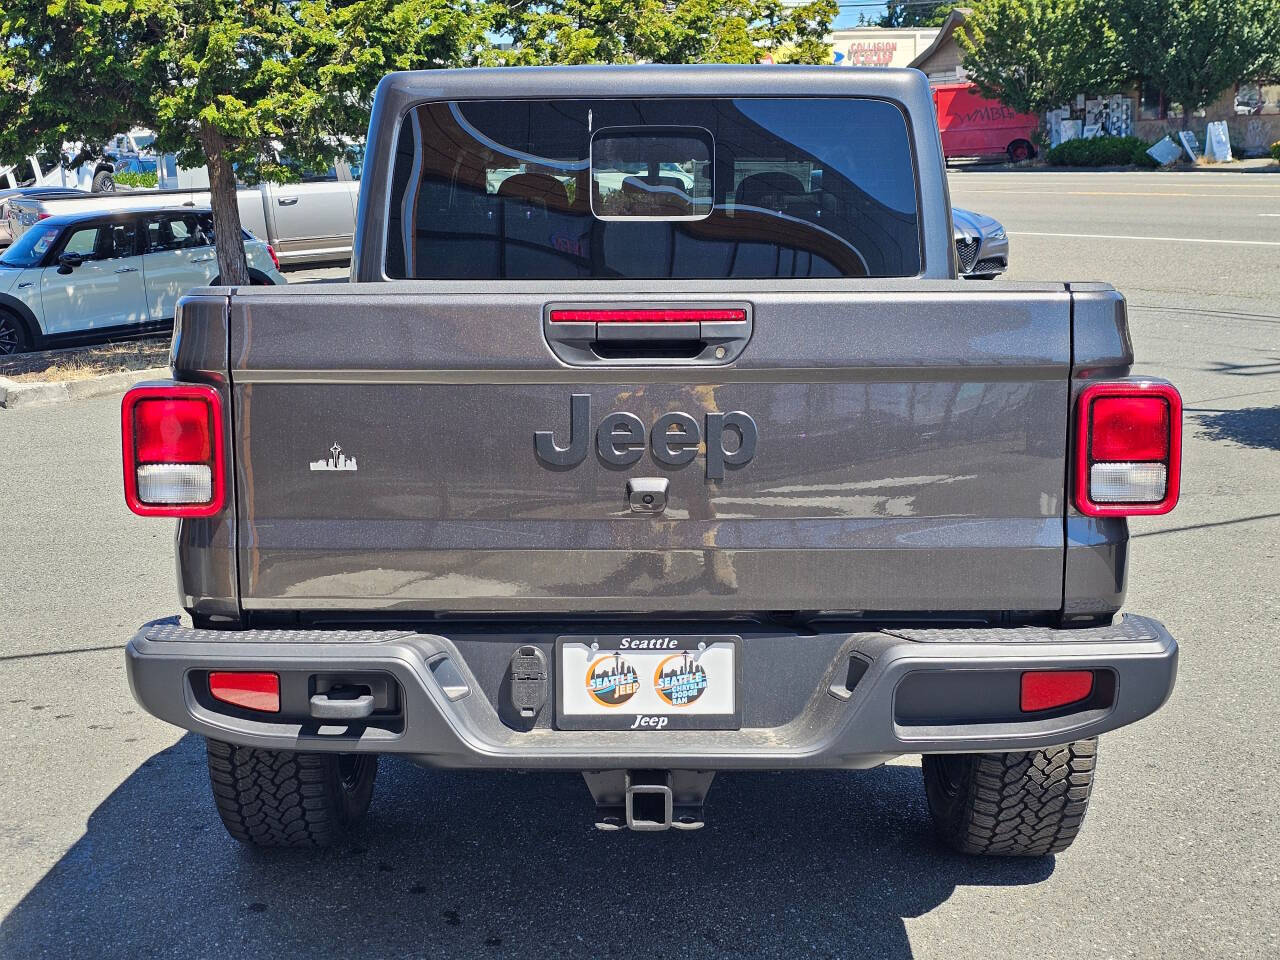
x,y
648,682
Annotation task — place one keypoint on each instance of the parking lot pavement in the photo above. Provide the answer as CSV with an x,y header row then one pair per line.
x,y
328,273
110,847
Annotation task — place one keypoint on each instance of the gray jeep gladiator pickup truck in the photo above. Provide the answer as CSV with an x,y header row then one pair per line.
x,y
655,437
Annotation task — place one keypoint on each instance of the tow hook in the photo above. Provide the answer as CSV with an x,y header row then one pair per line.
x,y
649,799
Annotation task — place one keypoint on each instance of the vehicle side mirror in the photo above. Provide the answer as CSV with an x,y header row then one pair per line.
x,y
69,261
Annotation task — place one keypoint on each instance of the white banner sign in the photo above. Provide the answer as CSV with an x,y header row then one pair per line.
x,y
1190,144
1217,142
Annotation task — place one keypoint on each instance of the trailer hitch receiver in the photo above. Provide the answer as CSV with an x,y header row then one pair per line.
x,y
649,799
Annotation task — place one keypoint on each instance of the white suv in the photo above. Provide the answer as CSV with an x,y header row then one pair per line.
x,y
86,275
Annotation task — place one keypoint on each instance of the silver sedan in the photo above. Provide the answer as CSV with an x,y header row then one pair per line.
x,y
982,246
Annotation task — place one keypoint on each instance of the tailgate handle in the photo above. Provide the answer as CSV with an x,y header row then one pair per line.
x,y
639,333
327,707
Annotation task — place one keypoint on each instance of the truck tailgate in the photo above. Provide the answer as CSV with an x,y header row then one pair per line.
x,y
909,452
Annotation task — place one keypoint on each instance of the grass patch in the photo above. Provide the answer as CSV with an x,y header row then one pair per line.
x,y
84,363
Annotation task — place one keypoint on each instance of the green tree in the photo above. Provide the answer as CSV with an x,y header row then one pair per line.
x,y
1034,55
654,31
254,89
269,89
914,13
1194,50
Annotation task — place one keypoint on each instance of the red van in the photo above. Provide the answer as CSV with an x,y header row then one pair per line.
x,y
973,126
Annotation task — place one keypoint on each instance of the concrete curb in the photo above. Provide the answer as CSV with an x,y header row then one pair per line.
x,y
14,394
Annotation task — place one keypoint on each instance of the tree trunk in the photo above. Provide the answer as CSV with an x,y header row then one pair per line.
x,y
228,236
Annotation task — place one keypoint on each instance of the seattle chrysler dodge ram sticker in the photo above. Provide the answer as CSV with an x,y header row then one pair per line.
x,y
680,680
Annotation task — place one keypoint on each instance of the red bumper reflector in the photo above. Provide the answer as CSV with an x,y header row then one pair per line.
x,y
655,315
249,691
1046,689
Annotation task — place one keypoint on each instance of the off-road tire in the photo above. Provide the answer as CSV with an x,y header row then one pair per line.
x,y
277,798
104,181
1011,804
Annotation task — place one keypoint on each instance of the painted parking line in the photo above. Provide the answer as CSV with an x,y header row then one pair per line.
x,y
1115,236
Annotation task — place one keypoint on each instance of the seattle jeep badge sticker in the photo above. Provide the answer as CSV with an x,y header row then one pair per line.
x,y
337,460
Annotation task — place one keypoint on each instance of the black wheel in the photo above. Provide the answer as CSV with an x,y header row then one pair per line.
x,y
1020,150
1011,804
104,181
277,798
13,335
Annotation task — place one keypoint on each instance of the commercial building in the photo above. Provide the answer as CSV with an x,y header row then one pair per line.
x,y
1252,111
880,46
933,50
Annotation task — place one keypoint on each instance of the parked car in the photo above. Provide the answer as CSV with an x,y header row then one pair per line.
x,y
973,126
735,475
7,235
308,222
88,275
982,246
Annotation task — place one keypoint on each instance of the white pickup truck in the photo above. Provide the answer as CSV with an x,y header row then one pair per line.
x,y
311,221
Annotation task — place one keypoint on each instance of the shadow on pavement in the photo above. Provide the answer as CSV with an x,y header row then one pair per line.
x,y
504,864
1257,427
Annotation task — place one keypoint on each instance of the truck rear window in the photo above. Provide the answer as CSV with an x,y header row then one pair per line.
x,y
652,189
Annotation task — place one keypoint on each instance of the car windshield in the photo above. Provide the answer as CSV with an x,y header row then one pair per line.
x,y
30,248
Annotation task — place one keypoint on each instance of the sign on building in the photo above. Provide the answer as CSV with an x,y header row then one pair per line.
x,y
872,53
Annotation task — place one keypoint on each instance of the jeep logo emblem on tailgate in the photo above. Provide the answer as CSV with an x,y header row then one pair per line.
x,y
673,441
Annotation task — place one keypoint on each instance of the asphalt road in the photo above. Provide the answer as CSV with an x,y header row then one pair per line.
x,y
110,847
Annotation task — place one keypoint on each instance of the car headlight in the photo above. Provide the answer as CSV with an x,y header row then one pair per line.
x,y
999,234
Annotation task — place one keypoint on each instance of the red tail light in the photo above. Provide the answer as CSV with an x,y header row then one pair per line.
x,y
1046,689
271,252
250,691
649,315
172,437
43,216
1128,449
